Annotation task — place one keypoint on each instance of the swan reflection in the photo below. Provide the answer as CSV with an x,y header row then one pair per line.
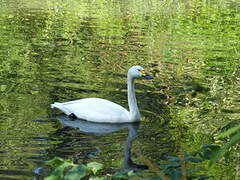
x,y
105,128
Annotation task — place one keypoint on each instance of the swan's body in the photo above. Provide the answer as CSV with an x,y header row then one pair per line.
x,y
95,109
104,111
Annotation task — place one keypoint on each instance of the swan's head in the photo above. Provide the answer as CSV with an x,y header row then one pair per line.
x,y
138,72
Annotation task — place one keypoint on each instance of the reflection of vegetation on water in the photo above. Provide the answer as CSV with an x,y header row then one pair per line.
x,y
174,168
72,49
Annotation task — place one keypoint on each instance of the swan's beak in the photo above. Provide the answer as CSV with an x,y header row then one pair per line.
x,y
146,75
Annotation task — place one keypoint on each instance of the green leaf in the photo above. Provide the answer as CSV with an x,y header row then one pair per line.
x,y
58,172
94,167
77,172
55,162
229,132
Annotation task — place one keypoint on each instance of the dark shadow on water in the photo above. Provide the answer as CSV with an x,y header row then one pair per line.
x,y
105,128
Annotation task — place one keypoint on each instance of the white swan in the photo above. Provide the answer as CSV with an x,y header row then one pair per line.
x,y
104,111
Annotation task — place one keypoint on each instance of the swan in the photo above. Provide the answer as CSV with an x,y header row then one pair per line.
x,y
105,111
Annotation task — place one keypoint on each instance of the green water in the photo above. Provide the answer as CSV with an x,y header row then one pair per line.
x,y
64,50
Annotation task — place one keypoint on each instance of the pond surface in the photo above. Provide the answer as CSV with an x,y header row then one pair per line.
x,y
66,50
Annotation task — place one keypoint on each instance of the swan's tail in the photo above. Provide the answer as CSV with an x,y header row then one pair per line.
x,y
61,107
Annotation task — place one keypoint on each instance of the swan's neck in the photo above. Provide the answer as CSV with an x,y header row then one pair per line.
x,y
132,101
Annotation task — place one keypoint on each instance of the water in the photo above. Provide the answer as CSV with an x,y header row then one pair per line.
x,y
61,51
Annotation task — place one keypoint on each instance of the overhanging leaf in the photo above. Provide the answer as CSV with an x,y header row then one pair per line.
x,y
229,132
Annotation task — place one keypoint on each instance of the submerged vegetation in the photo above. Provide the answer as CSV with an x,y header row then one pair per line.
x,y
174,168
63,50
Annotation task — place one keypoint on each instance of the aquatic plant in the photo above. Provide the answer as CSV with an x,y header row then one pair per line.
x,y
172,168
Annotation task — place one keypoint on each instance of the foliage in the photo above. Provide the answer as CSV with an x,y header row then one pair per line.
x,y
181,167
67,170
234,134
174,168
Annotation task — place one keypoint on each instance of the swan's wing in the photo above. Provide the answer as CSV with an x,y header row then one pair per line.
x,y
95,109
